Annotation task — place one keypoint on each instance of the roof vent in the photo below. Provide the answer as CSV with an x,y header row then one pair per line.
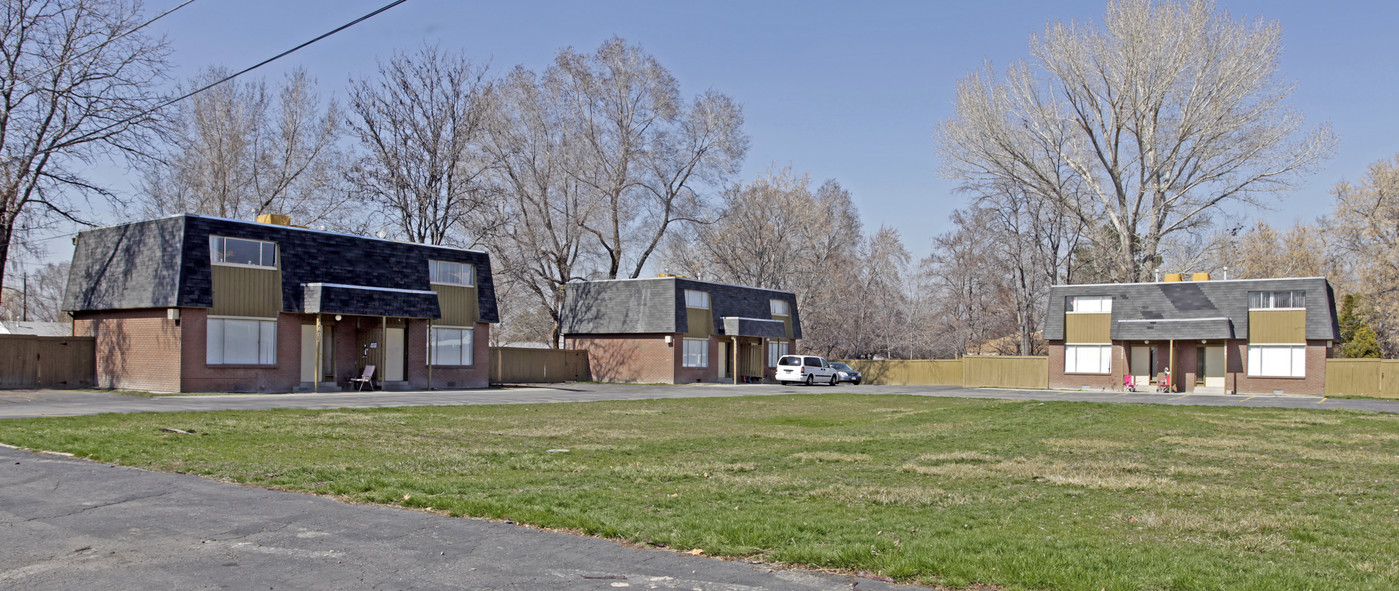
x,y
275,219
1199,276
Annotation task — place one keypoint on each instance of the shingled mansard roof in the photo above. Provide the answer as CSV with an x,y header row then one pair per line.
x,y
657,305
165,263
1192,309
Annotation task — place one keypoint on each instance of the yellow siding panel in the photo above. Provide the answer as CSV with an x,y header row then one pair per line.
x,y
1087,328
701,321
1277,326
458,304
246,291
786,321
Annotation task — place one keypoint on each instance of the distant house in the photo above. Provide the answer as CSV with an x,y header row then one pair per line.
x,y
676,330
190,303
1237,336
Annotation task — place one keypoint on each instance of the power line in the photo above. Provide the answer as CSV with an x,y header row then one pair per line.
x,y
101,45
245,70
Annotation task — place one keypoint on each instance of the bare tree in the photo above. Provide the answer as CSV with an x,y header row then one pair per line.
x,y
639,148
421,124
1157,116
1365,227
76,83
239,152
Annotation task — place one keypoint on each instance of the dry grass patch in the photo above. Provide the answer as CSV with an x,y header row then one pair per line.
x,y
829,456
954,457
544,431
1087,444
908,496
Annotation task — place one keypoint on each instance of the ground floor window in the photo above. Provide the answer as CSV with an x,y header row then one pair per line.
x,y
452,345
1087,358
776,349
696,353
1277,361
241,341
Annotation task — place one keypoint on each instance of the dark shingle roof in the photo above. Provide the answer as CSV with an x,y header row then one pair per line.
x,y
640,306
165,263
1192,309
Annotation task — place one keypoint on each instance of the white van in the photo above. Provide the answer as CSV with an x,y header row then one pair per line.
x,y
806,369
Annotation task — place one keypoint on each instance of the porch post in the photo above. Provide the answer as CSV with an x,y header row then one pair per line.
x,y
1172,366
735,365
320,359
383,348
429,354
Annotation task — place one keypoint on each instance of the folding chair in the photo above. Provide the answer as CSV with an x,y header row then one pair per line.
x,y
365,380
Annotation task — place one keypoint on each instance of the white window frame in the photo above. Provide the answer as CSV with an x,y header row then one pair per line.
x,y
1267,299
216,340
1078,359
218,250
466,339
1088,304
777,350
695,298
438,273
780,308
1277,361
695,353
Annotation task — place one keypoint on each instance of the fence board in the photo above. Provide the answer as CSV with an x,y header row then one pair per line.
x,y
28,361
1004,371
514,365
1374,378
916,372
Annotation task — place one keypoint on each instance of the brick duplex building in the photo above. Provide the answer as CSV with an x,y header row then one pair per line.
x,y
676,330
1239,336
191,303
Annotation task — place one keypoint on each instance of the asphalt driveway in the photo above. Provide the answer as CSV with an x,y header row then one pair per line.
x,y
73,524
37,403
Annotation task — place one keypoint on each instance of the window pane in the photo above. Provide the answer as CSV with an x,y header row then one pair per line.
x,y
779,308
1299,362
468,340
1104,359
696,299
1282,299
1299,299
447,346
269,254
1255,299
1088,359
1070,359
242,252
1255,361
240,341
1276,361
267,343
214,341
1105,304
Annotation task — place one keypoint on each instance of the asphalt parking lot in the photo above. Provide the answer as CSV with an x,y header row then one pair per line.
x,y
37,403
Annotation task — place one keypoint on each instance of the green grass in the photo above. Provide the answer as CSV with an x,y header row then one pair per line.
x,y
954,492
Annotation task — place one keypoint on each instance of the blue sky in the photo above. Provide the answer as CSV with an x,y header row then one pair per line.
x,y
850,91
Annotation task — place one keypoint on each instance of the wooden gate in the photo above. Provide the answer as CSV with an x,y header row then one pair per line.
x,y
28,361
1374,378
515,365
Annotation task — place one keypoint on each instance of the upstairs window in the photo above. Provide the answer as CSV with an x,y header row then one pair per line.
x,y
243,252
449,273
696,299
780,308
1265,300
1088,304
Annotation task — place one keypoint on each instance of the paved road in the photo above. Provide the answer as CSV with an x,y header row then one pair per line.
x,y
36,403
72,524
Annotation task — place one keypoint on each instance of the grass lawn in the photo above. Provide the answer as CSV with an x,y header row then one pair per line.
x,y
1021,495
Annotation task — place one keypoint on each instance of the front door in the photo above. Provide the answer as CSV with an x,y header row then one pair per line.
x,y
393,355
1214,366
1141,365
308,354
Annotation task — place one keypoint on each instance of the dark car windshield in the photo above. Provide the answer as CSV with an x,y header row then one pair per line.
x,y
839,365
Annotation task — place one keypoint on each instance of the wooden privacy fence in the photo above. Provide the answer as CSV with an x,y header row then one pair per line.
x,y
1377,378
514,365
989,371
28,361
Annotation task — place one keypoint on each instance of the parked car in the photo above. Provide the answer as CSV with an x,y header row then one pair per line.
x,y
806,369
845,373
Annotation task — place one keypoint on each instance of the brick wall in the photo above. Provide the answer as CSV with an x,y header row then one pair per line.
x,y
199,376
136,349
1237,380
1059,379
478,375
638,358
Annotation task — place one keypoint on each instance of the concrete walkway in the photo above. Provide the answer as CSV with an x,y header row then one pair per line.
x,y
37,403
71,524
